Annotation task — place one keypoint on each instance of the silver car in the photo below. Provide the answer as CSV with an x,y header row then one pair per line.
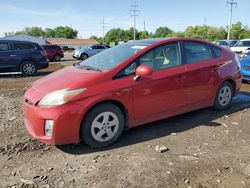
x,y
88,51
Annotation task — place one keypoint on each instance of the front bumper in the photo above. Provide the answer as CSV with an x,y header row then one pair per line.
x,y
246,77
67,121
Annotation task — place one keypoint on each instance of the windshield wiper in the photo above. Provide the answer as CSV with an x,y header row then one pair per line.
x,y
88,67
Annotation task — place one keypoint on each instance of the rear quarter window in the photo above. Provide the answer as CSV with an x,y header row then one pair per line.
x,y
50,47
217,52
23,46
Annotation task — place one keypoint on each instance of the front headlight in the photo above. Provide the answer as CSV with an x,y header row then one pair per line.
x,y
60,97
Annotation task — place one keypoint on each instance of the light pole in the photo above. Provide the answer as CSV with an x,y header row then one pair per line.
x,y
103,23
231,3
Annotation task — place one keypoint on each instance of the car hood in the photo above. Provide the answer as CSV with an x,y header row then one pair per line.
x,y
245,60
67,78
238,49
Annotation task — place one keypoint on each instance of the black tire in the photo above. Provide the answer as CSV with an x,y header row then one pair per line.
x,y
28,68
57,58
84,56
95,114
218,102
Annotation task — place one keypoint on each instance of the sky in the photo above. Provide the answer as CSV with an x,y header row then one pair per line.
x,y
86,15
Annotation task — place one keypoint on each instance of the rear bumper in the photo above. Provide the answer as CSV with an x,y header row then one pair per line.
x,y
43,65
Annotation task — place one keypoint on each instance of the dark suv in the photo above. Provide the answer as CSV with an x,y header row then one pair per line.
x,y
21,56
53,52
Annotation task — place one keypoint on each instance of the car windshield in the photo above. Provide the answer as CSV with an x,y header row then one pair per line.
x,y
112,57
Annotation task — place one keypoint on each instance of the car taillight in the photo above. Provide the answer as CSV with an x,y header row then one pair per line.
x,y
44,53
236,57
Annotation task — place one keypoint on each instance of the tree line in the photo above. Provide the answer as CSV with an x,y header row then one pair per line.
x,y
238,31
58,32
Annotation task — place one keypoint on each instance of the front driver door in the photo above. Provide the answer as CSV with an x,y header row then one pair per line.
x,y
163,93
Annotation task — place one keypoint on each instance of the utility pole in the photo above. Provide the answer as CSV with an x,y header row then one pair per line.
x,y
134,13
145,31
231,4
103,24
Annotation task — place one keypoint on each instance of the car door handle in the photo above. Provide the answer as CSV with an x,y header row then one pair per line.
x,y
13,55
217,66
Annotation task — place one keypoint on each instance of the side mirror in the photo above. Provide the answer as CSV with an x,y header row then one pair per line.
x,y
143,70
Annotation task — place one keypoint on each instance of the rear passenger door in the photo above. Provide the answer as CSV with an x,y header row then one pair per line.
x,y
201,75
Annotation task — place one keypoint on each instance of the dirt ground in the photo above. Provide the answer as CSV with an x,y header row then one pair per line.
x,y
206,148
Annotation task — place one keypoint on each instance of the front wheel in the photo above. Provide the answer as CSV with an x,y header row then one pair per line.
x,y
102,126
84,56
224,96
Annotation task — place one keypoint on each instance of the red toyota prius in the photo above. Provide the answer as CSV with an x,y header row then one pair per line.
x,y
130,85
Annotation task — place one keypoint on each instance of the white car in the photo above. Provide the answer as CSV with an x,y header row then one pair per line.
x,y
241,46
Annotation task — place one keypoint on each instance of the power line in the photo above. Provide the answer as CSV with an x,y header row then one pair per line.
x,y
231,4
103,24
134,13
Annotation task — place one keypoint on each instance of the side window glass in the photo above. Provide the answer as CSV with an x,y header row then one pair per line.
x,y
129,70
100,47
196,52
162,57
23,46
217,52
4,47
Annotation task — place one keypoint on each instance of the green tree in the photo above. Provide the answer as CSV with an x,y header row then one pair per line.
x,y
239,31
162,32
116,35
65,32
34,31
49,32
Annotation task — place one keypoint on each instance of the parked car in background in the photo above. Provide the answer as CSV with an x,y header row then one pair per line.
x,y
21,56
227,43
129,85
222,43
53,52
89,51
241,46
245,67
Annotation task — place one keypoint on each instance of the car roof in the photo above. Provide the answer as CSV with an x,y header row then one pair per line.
x,y
17,41
245,40
147,41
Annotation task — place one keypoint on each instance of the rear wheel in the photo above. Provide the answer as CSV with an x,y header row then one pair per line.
x,y
28,68
57,58
103,125
224,96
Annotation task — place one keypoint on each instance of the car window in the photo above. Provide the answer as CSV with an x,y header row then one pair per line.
x,y
49,47
217,51
4,47
93,47
162,57
246,43
196,52
23,46
100,47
